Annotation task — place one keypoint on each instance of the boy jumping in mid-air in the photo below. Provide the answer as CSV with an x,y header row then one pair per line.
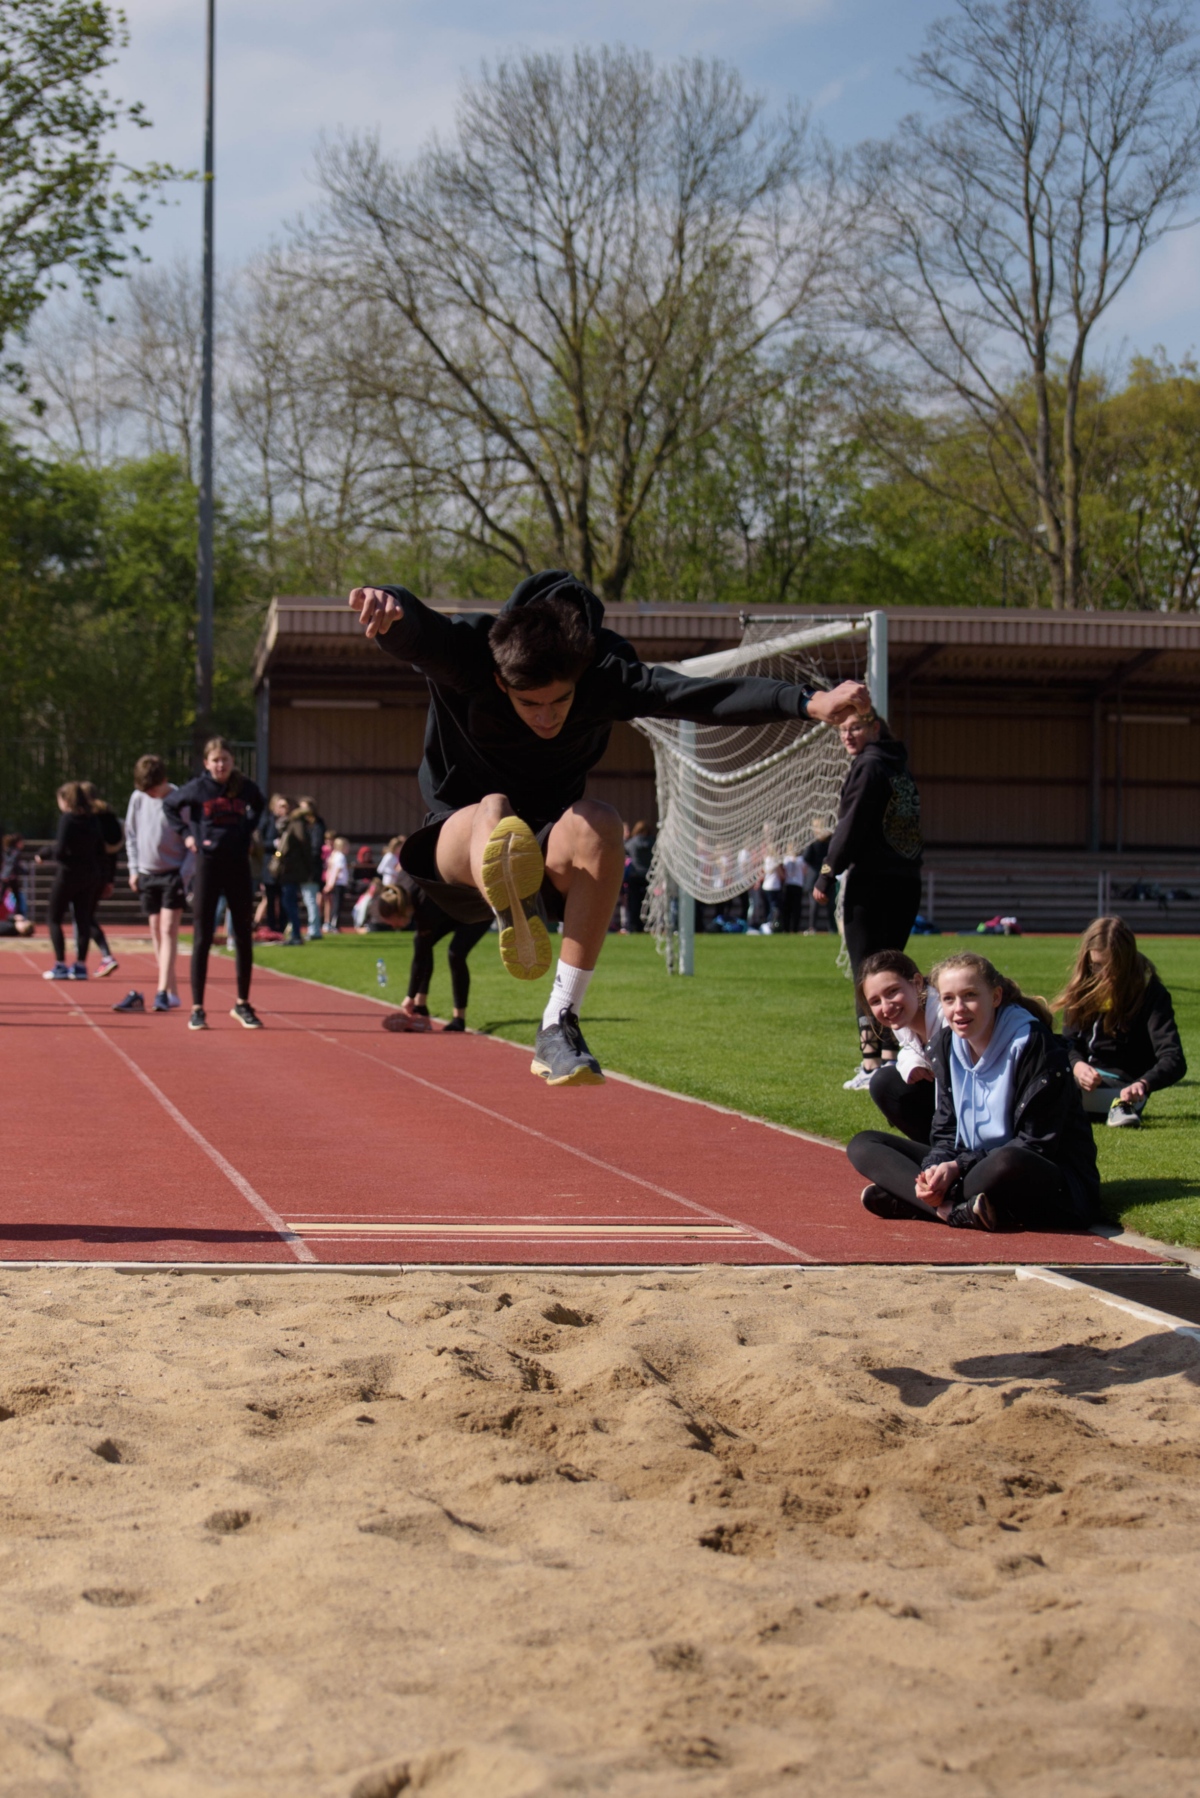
x,y
521,709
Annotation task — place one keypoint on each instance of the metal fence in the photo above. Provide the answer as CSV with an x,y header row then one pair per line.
x,y
33,768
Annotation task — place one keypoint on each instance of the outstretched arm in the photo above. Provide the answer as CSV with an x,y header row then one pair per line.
x,y
661,692
451,652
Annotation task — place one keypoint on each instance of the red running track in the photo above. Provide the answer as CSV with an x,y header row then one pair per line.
x,y
324,1138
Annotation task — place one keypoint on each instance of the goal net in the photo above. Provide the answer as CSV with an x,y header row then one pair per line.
x,y
731,797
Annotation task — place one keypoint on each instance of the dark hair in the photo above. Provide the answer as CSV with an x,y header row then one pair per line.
x,y
1115,993
149,771
545,641
1010,992
890,961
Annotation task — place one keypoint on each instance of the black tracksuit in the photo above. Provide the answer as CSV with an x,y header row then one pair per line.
x,y
78,848
221,822
1043,1178
1148,1048
876,848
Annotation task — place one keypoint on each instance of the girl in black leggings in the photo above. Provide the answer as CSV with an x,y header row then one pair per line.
x,y
1009,1146
216,815
876,848
395,908
77,850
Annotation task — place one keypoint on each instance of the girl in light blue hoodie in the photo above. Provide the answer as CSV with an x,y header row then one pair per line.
x,y
1009,1146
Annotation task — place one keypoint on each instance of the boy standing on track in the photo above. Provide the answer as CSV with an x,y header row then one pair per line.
x,y
521,709
158,861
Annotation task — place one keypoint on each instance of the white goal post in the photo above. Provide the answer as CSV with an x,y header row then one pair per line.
x,y
730,797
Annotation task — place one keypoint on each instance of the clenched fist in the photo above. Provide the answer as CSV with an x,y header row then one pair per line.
x,y
377,610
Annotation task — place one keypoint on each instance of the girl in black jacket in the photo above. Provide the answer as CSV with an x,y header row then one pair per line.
x,y
77,851
1009,1146
1118,1025
217,814
876,847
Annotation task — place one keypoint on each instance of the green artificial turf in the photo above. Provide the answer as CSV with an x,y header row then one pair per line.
x,y
766,1026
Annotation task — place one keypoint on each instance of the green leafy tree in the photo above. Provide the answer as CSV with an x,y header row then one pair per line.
x,y
66,203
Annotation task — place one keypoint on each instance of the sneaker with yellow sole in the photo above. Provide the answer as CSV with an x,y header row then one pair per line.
x,y
513,870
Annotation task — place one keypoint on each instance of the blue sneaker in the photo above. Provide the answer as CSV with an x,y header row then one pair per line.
x,y
60,971
132,1001
161,1002
79,971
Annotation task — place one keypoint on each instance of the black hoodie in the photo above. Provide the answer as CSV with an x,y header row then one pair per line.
x,y
476,744
1047,1116
879,818
221,822
1147,1048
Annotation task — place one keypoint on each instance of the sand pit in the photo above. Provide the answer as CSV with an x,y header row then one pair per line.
x,y
498,1536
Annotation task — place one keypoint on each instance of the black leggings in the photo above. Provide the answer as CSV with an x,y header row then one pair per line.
x,y
1027,1191
906,1108
229,875
879,913
72,887
461,944
97,934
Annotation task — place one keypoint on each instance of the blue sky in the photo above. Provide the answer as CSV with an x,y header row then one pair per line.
x,y
288,69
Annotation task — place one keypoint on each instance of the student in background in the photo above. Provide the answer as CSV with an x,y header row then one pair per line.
x,y
159,867
77,849
310,889
12,876
389,862
337,879
1119,1025
113,836
217,814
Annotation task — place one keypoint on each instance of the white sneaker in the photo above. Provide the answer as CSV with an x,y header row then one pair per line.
x,y
1123,1117
860,1081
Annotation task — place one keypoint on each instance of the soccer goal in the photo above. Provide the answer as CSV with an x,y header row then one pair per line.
x,y
729,797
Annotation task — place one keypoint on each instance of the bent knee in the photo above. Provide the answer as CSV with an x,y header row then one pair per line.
x,y
599,822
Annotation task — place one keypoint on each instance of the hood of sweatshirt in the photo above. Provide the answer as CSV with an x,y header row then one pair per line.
x,y
983,1089
556,583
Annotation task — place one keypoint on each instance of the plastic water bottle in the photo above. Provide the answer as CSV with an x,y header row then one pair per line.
x,y
381,972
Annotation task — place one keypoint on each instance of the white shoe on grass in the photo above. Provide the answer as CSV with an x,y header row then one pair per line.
x,y
859,1081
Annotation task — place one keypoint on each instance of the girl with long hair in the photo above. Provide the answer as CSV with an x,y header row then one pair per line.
x,y
1118,1024
217,814
901,1000
77,851
1009,1146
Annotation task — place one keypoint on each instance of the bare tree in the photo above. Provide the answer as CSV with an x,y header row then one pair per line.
x,y
573,291
998,238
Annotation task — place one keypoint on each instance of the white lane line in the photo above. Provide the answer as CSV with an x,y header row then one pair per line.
x,y
608,1167
298,1246
1144,1313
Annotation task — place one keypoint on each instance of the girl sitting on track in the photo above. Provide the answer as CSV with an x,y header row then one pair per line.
x,y
1010,1147
1118,1025
902,1001
216,815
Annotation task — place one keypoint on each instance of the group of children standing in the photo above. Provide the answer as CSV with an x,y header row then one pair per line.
x,y
991,1104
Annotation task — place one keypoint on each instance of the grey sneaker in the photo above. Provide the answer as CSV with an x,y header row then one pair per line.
x,y
562,1057
1123,1117
859,1081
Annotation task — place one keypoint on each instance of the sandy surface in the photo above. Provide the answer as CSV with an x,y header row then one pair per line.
x,y
737,1532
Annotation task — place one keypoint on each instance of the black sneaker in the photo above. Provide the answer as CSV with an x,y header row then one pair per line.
x,y
455,1025
881,1203
133,1001
562,1057
976,1214
246,1015
197,1021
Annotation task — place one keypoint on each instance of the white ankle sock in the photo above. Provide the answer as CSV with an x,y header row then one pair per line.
x,y
570,984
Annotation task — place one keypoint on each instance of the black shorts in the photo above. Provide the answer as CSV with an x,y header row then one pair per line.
x,y
160,892
466,905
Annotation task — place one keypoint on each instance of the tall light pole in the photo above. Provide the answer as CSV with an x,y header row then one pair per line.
x,y
204,558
